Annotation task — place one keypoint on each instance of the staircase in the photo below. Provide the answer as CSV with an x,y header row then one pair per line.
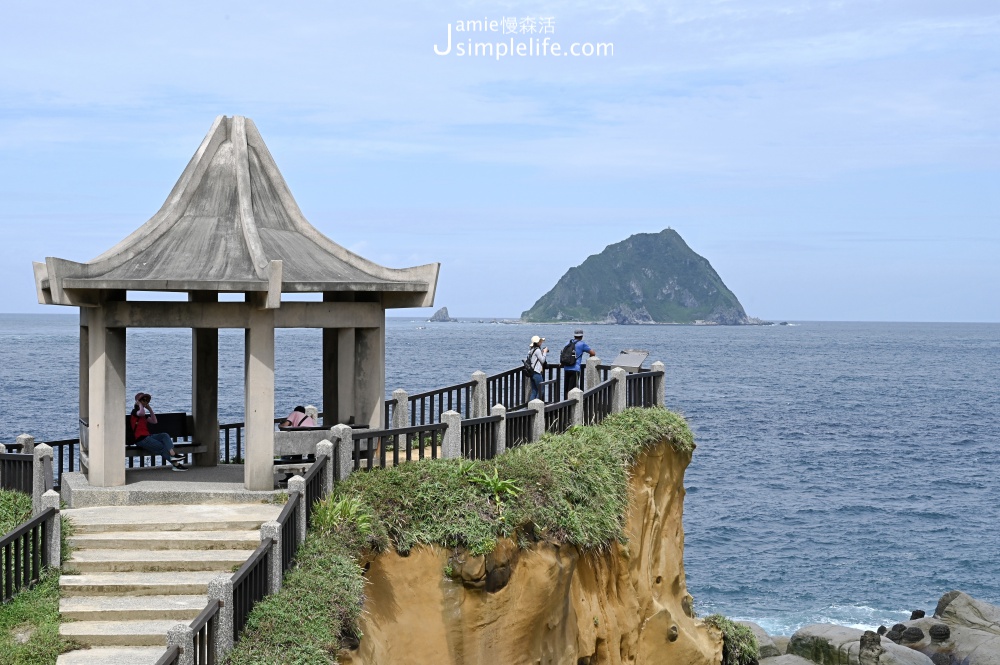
x,y
136,571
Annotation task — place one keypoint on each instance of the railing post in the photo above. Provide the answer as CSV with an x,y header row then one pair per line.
x,y
479,406
343,434
39,452
298,484
326,475
27,444
500,429
619,394
659,384
221,588
538,425
451,445
53,544
271,531
183,636
577,394
401,412
591,377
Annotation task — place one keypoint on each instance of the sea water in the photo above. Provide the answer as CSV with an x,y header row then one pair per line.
x,y
845,472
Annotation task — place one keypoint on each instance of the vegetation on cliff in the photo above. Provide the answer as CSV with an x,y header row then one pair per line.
x,y
739,644
648,278
571,488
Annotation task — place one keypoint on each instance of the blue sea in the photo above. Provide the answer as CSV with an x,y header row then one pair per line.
x,y
845,472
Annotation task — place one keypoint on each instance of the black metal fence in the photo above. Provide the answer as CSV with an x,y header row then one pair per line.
x,y
206,628
507,388
426,408
389,447
559,416
289,521
17,472
23,554
641,388
250,584
519,426
597,402
479,437
314,484
171,657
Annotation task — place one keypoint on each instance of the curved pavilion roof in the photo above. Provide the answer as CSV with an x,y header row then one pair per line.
x,y
225,224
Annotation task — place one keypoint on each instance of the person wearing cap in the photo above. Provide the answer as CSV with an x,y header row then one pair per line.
x,y
571,373
157,444
536,357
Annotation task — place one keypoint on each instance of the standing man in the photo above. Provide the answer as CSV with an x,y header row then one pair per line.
x,y
570,358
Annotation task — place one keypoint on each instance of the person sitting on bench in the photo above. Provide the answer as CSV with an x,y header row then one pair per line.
x,y
298,418
157,444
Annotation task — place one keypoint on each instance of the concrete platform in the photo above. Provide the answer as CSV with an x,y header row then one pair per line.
x,y
160,485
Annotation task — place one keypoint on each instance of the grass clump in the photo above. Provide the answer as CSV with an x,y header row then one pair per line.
x,y
739,644
15,509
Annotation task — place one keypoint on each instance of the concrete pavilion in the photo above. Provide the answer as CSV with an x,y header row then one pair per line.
x,y
230,225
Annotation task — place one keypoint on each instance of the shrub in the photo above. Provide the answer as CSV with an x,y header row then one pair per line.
x,y
739,644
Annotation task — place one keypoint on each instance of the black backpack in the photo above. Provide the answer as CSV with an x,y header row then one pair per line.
x,y
526,364
567,357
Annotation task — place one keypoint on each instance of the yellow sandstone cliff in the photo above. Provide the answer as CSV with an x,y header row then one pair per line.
x,y
547,605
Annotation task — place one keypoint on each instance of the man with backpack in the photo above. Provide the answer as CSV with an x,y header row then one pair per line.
x,y
570,358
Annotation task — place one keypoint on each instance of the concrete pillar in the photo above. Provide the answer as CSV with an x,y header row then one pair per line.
x,y
369,373
84,376
326,475
660,384
297,485
479,406
451,446
501,427
53,539
341,436
619,396
205,386
259,400
39,454
221,588
577,394
591,377
271,531
107,404
181,635
539,422
338,375
27,443
401,413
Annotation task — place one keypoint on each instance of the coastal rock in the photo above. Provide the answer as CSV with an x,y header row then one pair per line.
x,y
787,659
955,645
765,644
781,642
441,316
839,645
624,315
960,609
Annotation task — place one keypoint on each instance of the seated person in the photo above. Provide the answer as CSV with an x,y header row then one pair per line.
x,y
157,444
298,418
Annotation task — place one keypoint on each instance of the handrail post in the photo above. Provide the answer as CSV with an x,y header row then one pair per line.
x,y
326,475
619,393
343,434
298,484
538,424
577,394
659,384
182,635
500,429
401,412
591,377
220,588
451,444
271,532
39,452
479,407
27,443
53,544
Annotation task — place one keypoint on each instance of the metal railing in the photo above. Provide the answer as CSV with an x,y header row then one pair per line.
x,y
559,416
507,388
641,388
23,554
373,447
314,484
597,402
171,657
250,585
426,407
205,628
17,472
289,521
519,425
388,409
479,437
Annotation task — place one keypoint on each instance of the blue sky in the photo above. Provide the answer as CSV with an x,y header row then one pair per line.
x,y
833,160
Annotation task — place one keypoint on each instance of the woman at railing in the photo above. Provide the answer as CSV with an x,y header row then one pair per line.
x,y
536,358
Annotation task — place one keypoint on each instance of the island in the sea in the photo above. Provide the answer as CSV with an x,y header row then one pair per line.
x,y
647,278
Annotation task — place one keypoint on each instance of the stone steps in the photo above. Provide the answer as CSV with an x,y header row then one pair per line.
x,y
118,608
144,633
135,584
167,540
116,561
211,517
112,656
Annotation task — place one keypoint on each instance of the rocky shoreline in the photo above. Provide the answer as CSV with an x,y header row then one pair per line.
x,y
962,631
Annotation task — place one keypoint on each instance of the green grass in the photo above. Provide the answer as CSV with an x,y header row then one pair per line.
x,y
29,624
568,489
739,644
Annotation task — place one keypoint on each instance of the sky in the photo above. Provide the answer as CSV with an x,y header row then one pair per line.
x,y
832,160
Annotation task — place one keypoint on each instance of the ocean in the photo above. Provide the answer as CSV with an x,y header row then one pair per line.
x,y
845,472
